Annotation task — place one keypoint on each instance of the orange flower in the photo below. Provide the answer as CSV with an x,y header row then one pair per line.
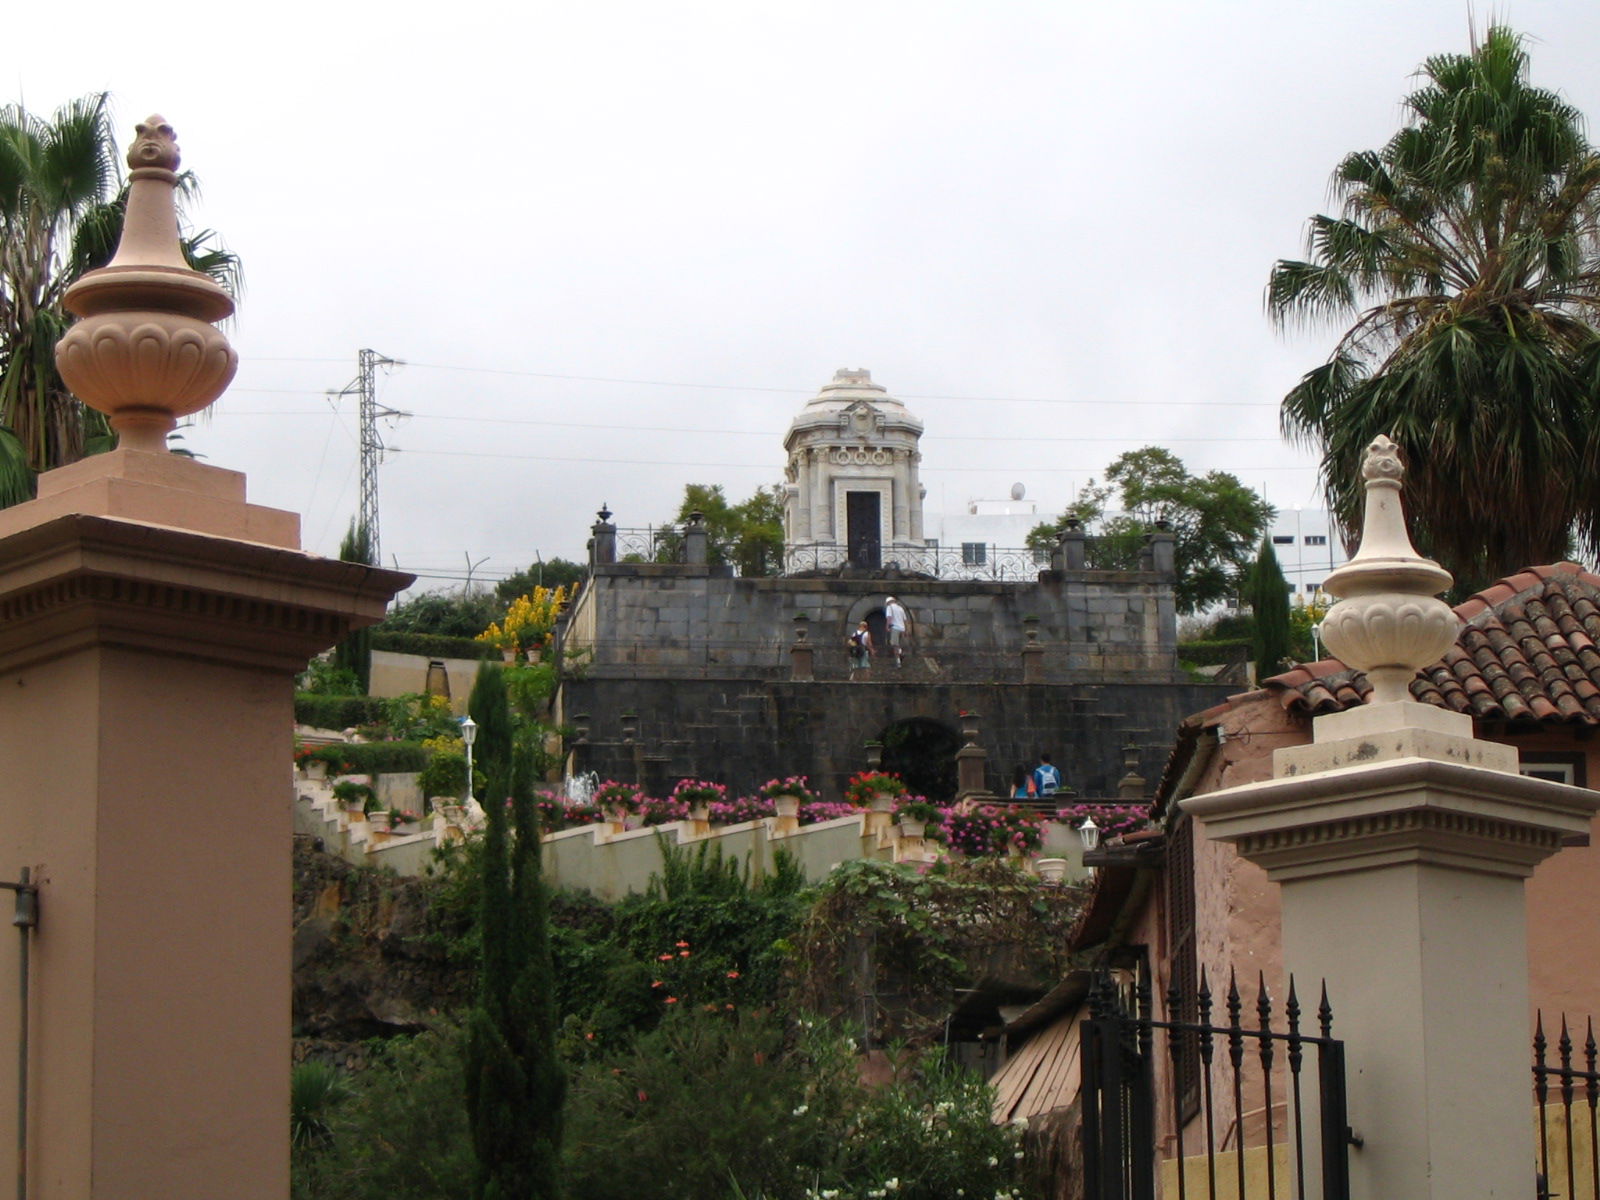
x,y
672,999
663,958
733,974
681,945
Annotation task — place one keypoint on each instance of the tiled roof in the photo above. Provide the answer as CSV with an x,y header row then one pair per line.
x,y
1528,651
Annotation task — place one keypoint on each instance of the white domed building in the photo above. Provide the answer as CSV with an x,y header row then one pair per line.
x,y
853,496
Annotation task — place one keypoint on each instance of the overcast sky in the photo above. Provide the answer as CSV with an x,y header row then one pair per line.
x,y
618,245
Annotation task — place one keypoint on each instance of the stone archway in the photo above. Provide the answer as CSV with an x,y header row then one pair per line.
x,y
922,751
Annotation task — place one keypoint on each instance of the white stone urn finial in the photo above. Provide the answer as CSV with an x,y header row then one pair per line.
x,y
1389,621
146,352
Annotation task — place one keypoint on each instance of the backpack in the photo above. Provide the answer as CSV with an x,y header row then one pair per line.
x,y
858,640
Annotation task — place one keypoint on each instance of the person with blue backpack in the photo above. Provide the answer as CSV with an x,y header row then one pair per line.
x,y
1046,778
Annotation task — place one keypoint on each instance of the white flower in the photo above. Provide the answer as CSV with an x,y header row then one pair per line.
x,y
892,1185
1018,1154
801,1111
993,1161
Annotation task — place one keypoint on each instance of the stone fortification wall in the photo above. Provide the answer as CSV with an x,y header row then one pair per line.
x,y
742,732
648,619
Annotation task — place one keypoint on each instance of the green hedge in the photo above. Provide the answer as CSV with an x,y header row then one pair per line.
x,y
336,712
372,758
431,645
1215,652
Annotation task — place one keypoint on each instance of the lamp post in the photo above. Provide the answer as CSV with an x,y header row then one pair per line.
x,y
1090,833
469,734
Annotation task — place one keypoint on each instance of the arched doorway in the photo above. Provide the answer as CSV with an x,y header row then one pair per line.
x,y
923,753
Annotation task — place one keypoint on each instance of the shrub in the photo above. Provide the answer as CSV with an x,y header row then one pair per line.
x,y
336,712
446,775
371,758
430,645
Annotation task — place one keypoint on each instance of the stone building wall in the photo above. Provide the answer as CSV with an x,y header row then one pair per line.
x,y
742,732
657,619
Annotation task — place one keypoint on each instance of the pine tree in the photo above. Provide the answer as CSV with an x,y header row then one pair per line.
x,y
515,1083
354,654
1269,598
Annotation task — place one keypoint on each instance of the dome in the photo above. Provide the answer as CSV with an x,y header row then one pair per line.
x,y
850,386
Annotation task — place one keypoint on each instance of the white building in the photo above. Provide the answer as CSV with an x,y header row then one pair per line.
x,y
1308,549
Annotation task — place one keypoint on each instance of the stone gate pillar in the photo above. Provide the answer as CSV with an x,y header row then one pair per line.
x,y
151,626
1401,844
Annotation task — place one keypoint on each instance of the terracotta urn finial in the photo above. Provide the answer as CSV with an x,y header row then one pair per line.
x,y
146,351
1389,621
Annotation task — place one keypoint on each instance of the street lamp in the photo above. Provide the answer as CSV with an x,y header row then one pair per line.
x,y
1090,833
469,734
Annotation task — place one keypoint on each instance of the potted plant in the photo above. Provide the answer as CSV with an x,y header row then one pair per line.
x,y
1018,832
913,814
874,790
787,795
618,800
698,796
353,795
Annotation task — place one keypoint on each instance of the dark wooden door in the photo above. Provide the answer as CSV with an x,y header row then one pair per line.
x,y
863,528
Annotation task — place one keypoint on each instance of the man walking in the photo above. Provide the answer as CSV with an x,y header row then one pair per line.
x,y
894,616
1046,778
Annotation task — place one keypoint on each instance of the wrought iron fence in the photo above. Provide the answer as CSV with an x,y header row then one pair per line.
x,y
1565,1158
969,560
1119,1092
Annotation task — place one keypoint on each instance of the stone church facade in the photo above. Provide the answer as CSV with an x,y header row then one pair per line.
x,y
687,670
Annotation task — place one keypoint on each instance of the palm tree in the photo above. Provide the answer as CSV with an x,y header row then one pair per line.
x,y
61,206
1466,252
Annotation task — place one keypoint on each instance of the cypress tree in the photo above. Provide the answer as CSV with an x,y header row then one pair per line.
x,y
490,707
515,1083
1269,599
355,652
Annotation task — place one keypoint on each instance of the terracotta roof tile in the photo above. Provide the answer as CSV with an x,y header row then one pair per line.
x,y
1528,651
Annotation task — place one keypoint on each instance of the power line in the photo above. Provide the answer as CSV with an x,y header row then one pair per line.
x,y
791,391
646,462
613,427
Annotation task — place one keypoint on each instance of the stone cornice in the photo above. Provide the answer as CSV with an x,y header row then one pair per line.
x,y
80,581
1417,810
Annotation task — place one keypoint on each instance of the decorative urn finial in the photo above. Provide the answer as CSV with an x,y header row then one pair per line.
x,y
146,352
1389,620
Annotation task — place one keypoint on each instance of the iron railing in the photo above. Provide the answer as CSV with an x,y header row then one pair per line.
x,y
1564,1157
965,561
1119,1092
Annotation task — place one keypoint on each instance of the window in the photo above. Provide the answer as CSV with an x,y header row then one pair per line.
x,y
1556,766
1183,969
1283,539
974,554
1313,588
1316,539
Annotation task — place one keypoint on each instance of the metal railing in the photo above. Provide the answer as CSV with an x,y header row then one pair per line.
x,y
1119,1093
966,561
1566,1159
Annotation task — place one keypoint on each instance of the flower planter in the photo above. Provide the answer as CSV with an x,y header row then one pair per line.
x,y
787,806
912,829
316,769
1051,870
453,814
881,803
617,816
700,812
379,821
535,655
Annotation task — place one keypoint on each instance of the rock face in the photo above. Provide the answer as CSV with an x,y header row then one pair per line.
x,y
368,963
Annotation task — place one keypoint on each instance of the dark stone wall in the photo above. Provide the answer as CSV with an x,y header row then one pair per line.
x,y
742,732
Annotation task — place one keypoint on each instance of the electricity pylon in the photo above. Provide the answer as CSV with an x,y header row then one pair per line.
x,y
365,387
